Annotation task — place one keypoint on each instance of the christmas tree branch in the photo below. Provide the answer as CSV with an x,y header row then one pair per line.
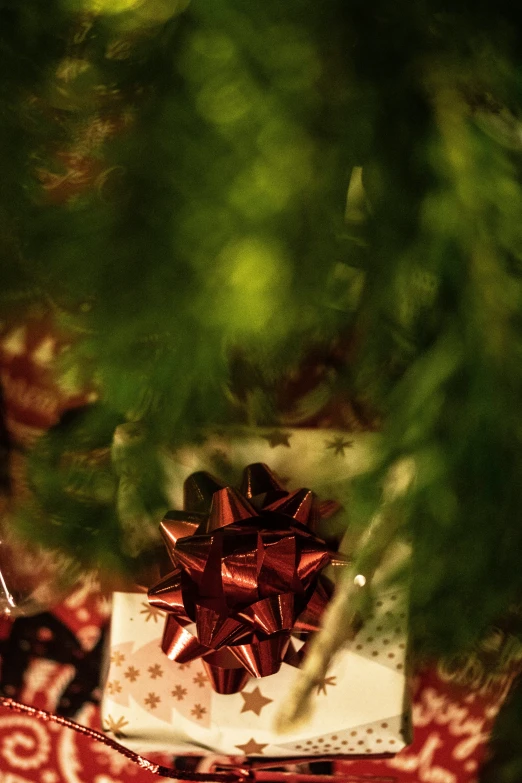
x,y
349,605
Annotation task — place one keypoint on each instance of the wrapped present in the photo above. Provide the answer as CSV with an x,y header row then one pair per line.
x,y
162,691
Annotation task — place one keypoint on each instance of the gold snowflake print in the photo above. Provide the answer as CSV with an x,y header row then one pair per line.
x,y
115,726
155,671
132,673
151,612
321,684
179,692
114,687
198,711
200,679
182,666
152,700
117,658
338,445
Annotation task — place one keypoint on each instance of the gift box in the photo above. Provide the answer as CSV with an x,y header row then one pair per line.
x,y
152,703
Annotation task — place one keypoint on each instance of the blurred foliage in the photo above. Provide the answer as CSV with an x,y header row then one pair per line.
x,y
504,764
217,237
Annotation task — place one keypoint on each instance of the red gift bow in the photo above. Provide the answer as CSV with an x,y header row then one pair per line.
x,y
246,573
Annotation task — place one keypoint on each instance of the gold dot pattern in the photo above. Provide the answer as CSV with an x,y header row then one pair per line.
x,y
382,640
381,737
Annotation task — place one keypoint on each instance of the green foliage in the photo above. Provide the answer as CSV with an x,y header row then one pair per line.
x,y
505,763
454,399
214,252
75,492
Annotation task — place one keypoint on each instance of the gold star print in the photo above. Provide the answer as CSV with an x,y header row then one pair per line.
x,y
151,612
117,658
198,711
114,687
115,726
182,666
200,679
251,747
179,692
152,700
277,438
321,684
132,673
255,701
155,671
339,444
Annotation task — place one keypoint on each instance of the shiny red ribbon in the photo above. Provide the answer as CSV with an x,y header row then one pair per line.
x,y
247,575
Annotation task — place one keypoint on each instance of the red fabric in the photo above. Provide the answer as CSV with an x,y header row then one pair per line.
x,y
451,723
35,752
34,400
